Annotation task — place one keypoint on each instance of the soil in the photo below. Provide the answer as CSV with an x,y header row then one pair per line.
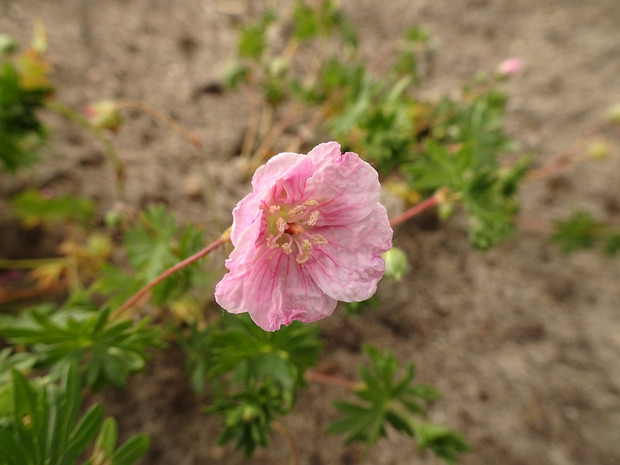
x,y
522,341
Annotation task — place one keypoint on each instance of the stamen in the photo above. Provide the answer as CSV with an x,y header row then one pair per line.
x,y
274,209
314,217
318,239
304,251
281,224
296,210
287,249
311,203
271,241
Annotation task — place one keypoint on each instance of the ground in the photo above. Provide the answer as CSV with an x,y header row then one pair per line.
x,y
522,341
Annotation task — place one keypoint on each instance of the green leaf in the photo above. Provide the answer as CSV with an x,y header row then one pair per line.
x,y
445,443
33,208
580,231
612,244
109,350
240,347
131,450
387,399
20,128
252,41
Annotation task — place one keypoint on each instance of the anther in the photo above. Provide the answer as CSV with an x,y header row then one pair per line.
x,y
314,217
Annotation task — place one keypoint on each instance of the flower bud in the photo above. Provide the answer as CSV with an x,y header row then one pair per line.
x,y
7,44
613,114
599,150
395,263
510,66
104,115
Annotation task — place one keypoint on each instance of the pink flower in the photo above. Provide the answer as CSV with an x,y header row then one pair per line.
x,y
311,233
510,66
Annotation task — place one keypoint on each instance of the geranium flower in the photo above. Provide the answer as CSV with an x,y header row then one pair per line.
x,y
311,233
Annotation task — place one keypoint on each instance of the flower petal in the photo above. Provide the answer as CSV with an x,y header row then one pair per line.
x,y
246,213
346,187
350,265
275,290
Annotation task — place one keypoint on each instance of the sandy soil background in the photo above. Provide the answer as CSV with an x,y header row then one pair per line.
x,y
523,342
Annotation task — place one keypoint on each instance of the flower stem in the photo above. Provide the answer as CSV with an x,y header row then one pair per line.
x,y
319,377
26,263
110,151
284,431
415,210
138,296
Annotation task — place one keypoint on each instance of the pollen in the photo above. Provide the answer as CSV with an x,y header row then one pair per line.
x,y
287,249
281,224
318,239
314,217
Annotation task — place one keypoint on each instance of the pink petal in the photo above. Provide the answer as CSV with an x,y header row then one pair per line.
x,y
246,214
349,267
274,289
346,187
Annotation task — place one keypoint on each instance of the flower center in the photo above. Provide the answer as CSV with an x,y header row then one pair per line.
x,y
289,227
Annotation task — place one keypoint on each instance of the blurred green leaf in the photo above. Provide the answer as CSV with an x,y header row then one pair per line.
x,y
580,231
107,350
34,208
386,399
252,41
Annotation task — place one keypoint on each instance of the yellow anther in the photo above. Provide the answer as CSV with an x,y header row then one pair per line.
x,y
297,210
287,249
271,242
281,224
314,217
274,209
318,239
311,203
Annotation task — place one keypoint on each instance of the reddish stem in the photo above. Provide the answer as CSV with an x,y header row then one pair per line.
x,y
319,377
415,210
133,300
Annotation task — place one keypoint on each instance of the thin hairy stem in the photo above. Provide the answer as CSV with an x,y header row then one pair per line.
x,y
415,210
110,151
143,293
27,263
323,378
288,435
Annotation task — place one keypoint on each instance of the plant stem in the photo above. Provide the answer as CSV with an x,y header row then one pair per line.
x,y
138,296
319,377
271,137
27,263
284,431
109,149
415,210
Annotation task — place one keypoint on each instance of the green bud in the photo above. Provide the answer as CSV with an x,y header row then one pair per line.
x,y
613,114
599,150
7,44
395,263
445,211
104,115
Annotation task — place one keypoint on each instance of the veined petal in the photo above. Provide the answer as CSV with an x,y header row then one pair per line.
x,y
350,265
346,187
246,214
275,290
